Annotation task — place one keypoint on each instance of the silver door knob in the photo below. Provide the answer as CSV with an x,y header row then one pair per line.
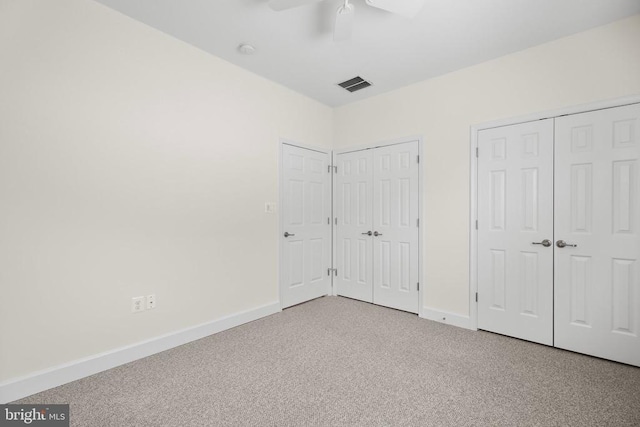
x,y
375,233
368,233
546,243
287,234
562,244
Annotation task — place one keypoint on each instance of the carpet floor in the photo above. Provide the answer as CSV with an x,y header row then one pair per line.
x,y
339,362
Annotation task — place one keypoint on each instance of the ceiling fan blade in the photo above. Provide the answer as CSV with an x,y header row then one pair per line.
x,y
344,23
406,8
279,5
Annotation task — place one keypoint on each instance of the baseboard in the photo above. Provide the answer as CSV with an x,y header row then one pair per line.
x,y
43,380
446,317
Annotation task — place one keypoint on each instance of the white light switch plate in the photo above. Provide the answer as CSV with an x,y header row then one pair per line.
x,y
270,207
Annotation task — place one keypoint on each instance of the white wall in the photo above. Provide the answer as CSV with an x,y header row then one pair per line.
x,y
594,65
130,164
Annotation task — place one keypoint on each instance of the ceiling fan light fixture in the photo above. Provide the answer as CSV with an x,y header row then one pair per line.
x,y
343,26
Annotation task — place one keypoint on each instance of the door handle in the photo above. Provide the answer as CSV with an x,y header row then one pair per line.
x,y
287,234
546,243
368,233
375,233
562,244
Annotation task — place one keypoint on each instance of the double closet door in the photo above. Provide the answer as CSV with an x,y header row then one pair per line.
x,y
558,232
376,209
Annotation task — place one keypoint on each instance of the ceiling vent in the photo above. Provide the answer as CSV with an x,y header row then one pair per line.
x,y
354,84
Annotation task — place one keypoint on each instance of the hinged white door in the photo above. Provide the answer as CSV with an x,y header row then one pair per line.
x,y
597,274
395,226
377,208
306,239
515,230
353,206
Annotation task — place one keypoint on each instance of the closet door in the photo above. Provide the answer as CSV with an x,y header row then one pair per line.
x,y
377,209
515,230
597,229
395,225
354,212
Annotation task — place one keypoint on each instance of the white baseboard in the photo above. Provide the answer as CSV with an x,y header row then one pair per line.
x,y
59,375
446,317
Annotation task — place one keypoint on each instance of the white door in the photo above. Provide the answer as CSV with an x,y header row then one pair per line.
x,y
306,212
353,207
597,274
515,231
395,226
377,209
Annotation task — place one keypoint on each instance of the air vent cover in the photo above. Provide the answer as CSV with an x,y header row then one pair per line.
x,y
354,84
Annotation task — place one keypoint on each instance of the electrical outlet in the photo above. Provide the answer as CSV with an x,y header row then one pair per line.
x,y
151,301
137,304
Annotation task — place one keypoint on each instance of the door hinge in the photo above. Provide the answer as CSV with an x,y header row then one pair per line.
x,y
329,169
477,152
335,221
335,169
418,285
335,271
476,224
328,221
476,297
418,158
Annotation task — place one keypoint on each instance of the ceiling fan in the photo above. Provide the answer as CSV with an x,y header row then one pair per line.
x,y
344,15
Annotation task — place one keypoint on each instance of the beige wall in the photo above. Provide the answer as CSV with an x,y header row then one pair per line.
x,y
130,164
594,65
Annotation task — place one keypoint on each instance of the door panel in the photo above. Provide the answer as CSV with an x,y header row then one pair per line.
x,y
353,205
395,215
515,211
306,207
597,282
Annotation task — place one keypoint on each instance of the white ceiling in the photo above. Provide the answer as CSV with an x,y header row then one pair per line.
x,y
295,47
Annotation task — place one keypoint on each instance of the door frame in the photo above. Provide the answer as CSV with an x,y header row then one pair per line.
x,y
473,177
282,142
421,228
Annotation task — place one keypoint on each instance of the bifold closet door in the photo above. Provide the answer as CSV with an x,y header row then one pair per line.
x,y
515,230
597,226
376,207
306,211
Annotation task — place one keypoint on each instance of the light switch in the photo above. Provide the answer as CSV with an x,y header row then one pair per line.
x,y
270,207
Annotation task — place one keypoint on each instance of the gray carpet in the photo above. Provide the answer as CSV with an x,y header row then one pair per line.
x,y
335,361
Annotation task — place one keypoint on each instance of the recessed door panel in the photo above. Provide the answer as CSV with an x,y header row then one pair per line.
x,y
515,216
306,203
597,285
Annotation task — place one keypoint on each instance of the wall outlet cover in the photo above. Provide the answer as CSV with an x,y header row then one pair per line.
x,y
137,304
